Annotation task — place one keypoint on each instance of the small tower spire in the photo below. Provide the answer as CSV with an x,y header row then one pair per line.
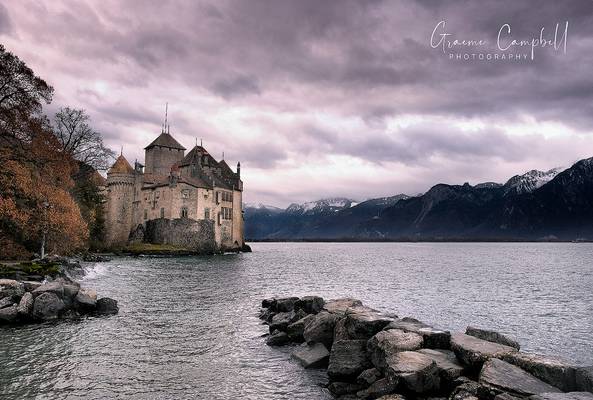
x,y
121,151
223,155
239,169
201,145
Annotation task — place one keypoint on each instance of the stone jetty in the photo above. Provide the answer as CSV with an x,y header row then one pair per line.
x,y
372,355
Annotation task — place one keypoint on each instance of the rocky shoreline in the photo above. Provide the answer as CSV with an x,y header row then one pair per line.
x,y
45,290
373,355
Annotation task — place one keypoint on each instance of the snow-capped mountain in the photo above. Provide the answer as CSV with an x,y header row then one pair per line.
x,y
530,181
321,206
261,206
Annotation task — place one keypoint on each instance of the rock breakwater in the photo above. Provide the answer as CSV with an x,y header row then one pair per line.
x,y
373,355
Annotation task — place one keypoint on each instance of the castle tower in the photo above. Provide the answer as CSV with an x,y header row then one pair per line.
x,y
120,197
161,154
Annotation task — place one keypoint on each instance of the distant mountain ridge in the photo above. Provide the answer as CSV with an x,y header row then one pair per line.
x,y
554,204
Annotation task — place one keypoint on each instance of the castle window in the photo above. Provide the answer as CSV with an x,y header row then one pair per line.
x,y
206,213
185,193
145,214
226,213
162,213
184,212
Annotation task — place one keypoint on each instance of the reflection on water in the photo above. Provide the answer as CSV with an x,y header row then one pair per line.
x,y
188,327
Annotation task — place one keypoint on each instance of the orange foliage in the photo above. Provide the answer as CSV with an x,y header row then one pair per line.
x,y
35,180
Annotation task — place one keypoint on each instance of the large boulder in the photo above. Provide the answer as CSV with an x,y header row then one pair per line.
x,y
492,336
277,338
296,329
285,304
55,287
447,363
433,338
340,306
8,314
312,356
321,329
467,389
473,352
84,303
584,379
563,396
362,323
386,343
6,302
552,370
368,376
504,377
107,306
416,371
31,285
267,303
348,358
378,388
281,321
310,304
47,306
11,288
343,388
25,307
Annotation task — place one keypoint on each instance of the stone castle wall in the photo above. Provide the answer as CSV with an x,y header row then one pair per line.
x,y
186,233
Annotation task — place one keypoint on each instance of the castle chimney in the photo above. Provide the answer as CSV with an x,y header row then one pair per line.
x,y
239,169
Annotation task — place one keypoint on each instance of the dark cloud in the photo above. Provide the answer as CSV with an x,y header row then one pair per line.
x,y
237,86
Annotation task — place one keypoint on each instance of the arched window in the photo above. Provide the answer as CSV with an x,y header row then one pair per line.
x,y
183,212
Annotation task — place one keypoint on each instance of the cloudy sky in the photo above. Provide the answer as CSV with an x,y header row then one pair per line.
x,y
324,98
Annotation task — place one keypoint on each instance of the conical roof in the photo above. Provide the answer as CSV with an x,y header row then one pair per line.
x,y
121,166
165,140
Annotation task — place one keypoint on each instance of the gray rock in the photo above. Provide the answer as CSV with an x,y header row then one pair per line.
x,y
502,376
506,396
47,306
447,363
466,389
6,302
277,338
8,314
312,356
340,306
433,338
341,388
89,292
362,323
56,288
25,307
473,352
340,331
267,315
70,290
552,370
492,336
368,376
310,304
267,303
107,306
84,303
348,358
296,329
31,285
281,321
584,379
386,343
563,396
321,329
392,397
417,371
378,388
285,304
11,288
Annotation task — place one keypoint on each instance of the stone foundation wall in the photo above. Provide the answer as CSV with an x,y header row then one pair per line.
x,y
187,233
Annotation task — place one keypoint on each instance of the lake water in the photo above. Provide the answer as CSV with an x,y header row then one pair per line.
x,y
188,327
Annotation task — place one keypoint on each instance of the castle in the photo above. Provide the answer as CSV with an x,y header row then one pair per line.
x,y
190,201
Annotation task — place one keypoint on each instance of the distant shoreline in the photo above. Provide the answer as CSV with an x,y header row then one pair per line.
x,y
424,240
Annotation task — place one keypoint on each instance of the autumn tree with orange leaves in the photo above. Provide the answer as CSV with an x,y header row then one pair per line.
x,y
36,171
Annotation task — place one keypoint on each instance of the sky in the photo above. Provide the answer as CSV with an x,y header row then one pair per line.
x,y
320,99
